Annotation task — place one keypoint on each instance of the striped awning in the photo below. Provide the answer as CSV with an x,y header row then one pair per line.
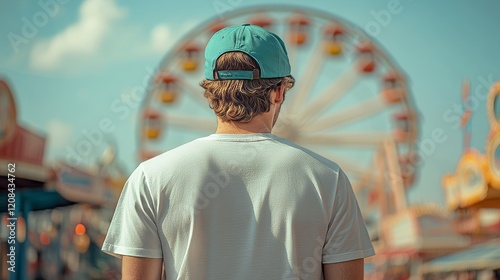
x,y
481,256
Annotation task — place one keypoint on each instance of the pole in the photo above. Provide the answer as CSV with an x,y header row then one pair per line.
x,y
466,116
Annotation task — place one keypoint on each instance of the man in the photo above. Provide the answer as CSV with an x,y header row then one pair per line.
x,y
240,203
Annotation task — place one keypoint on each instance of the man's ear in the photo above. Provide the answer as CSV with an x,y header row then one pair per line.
x,y
279,94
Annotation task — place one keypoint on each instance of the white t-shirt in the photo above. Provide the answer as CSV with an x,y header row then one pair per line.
x,y
239,206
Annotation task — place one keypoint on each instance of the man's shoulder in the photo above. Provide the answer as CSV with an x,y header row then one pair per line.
x,y
192,152
174,157
301,153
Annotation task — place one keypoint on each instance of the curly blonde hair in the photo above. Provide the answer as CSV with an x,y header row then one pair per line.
x,y
241,100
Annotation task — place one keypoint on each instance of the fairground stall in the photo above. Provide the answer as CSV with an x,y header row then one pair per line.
x,y
473,195
54,217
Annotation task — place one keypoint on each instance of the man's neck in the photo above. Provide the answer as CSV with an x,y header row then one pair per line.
x,y
256,125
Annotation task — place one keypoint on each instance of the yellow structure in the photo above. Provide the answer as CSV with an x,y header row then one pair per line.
x,y
476,181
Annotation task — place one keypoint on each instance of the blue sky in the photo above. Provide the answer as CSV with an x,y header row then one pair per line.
x,y
69,68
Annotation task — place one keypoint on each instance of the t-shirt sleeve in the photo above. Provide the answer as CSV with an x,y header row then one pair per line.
x,y
133,230
347,237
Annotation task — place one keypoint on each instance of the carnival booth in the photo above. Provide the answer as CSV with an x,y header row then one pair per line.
x,y
472,193
24,175
54,217
480,260
412,237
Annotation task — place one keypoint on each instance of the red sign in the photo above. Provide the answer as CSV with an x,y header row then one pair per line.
x,y
23,146
7,112
17,144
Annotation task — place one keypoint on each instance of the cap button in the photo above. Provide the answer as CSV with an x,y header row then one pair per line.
x,y
246,24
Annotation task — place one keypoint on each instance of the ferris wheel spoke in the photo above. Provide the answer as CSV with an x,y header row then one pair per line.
x,y
304,86
359,111
334,91
189,122
195,92
395,178
368,138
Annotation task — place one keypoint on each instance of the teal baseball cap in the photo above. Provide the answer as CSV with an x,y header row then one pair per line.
x,y
265,47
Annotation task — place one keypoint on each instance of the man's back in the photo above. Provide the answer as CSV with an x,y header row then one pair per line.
x,y
240,206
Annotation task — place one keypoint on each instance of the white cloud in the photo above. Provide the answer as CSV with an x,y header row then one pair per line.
x,y
161,38
81,39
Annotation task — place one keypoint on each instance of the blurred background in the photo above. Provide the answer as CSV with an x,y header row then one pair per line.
x,y
401,93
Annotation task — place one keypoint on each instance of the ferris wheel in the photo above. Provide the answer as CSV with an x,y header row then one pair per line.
x,y
350,104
